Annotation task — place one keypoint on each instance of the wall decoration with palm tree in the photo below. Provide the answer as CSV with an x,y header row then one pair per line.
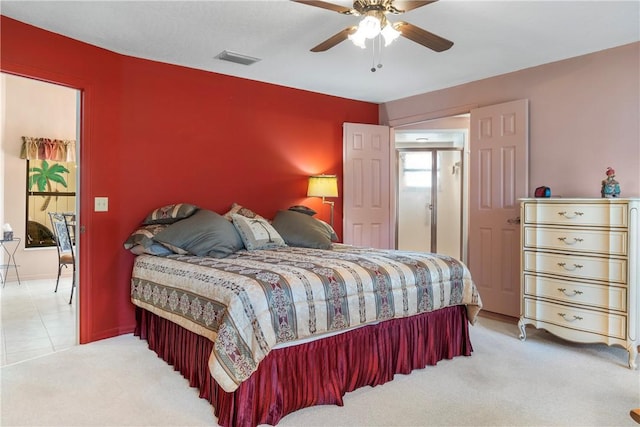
x,y
43,176
51,187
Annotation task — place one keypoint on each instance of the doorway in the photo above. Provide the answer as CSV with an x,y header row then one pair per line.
x,y
431,186
39,109
429,200
486,206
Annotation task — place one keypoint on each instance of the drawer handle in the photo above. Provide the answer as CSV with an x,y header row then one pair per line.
x,y
564,291
575,266
564,316
575,240
575,214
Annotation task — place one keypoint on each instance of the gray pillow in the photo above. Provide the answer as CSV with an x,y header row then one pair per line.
x,y
157,249
298,229
303,209
170,213
330,230
205,233
144,236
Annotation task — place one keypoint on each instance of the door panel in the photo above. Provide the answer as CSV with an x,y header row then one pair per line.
x,y
499,177
366,200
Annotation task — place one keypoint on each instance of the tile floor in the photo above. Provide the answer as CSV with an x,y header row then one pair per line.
x,y
35,320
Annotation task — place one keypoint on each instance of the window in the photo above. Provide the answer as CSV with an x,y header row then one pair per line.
x,y
416,169
51,187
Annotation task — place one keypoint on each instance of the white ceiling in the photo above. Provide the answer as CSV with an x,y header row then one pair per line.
x,y
491,38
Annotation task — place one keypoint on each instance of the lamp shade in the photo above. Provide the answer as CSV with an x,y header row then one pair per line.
x,y
323,186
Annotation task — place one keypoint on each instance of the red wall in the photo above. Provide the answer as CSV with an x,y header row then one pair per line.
x,y
154,134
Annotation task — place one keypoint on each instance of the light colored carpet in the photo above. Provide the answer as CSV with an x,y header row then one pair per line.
x,y
543,381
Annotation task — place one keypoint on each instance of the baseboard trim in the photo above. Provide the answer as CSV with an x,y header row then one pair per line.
x,y
498,316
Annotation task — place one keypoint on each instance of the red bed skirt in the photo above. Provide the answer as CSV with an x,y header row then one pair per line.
x,y
316,373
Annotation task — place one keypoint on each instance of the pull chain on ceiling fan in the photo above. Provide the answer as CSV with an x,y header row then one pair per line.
x,y
375,66
375,24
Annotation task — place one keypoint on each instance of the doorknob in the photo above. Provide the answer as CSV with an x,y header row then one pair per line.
x,y
514,221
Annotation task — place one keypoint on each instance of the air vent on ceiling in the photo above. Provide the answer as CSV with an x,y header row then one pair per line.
x,y
238,58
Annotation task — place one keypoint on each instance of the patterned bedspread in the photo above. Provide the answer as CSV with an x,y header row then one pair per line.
x,y
252,301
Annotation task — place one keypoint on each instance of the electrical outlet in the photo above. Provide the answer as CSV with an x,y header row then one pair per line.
x,y
101,204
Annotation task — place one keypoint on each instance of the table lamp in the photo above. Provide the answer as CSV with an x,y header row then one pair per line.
x,y
324,186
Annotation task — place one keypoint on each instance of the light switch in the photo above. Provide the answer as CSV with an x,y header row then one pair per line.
x,y
101,204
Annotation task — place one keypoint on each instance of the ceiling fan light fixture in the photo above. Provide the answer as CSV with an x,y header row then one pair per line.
x,y
374,23
358,39
369,27
390,34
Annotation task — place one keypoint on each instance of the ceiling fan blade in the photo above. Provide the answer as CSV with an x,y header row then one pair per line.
x,y
405,6
334,40
326,5
422,37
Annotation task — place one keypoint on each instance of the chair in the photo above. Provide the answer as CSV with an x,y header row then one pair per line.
x,y
64,243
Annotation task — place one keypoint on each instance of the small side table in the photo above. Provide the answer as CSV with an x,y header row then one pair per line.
x,y
11,262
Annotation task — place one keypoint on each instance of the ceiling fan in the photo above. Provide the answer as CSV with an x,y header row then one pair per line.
x,y
375,24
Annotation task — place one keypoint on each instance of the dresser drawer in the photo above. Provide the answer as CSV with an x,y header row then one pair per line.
x,y
577,240
575,266
597,214
608,324
598,296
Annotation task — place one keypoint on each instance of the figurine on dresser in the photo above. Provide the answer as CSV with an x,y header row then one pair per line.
x,y
610,187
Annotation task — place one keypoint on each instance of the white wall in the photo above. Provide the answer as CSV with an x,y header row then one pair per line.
x,y
37,109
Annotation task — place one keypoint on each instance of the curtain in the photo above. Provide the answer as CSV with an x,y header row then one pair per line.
x,y
48,149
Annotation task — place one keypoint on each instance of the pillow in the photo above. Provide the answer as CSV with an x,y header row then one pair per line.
x,y
174,249
170,214
155,249
303,209
298,229
240,210
257,233
205,233
330,230
143,236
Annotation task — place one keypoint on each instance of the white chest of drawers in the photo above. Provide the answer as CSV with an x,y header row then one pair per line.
x,y
580,270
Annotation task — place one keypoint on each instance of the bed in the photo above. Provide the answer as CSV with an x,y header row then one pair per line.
x,y
265,330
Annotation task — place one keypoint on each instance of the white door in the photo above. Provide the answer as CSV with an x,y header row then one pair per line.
x,y
499,175
366,186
